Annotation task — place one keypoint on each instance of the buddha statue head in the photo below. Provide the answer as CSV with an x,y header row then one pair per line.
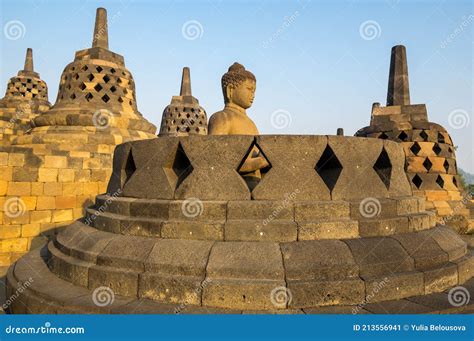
x,y
238,86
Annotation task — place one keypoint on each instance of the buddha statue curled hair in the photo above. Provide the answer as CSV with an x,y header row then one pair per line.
x,y
236,75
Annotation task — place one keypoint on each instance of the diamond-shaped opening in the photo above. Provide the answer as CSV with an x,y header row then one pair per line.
x,y
424,135
329,168
427,164
128,169
383,136
89,96
85,68
82,86
113,89
98,87
441,138
76,76
112,70
90,77
446,165
99,69
455,182
106,79
105,98
120,100
119,80
254,166
417,181
440,181
415,148
403,136
383,168
178,167
436,149
73,96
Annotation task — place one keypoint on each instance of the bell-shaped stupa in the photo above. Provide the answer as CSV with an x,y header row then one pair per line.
x,y
26,97
184,115
97,91
430,154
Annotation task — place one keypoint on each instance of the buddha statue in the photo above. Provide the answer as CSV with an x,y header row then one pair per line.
x,y
238,88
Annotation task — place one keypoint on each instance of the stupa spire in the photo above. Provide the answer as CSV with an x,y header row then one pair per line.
x,y
398,87
101,34
29,61
186,83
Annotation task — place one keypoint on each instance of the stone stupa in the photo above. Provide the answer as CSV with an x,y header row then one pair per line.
x,y
179,230
430,153
51,174
25,98
184,116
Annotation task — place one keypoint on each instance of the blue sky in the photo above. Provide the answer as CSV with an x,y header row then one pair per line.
x,y
313,60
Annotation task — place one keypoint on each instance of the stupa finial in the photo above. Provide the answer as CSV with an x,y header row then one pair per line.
x,y
29,61
186,83
101,34
398,87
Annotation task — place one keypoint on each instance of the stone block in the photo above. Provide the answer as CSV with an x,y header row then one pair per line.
x,y
16,160
327,293
128,252
48,174
53,161
148,208
19,188
250,230
46,203
244,260
383,226
66,175
30,230
439,279
262,210
62,202
53,189
192,230
40,216
395,286
449,241
60,216
25,174
120,281
378,256
314,210
10,231
321,260
337,229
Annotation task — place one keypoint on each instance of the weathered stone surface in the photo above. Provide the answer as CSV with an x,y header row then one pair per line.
x,y
397,307
251,230
379,255
322,260
120,281
321,210
313,293
423,249
292,174
449,241
241,294
263,210
339,229
244,260
465,267
383,226
68,268
214,175
126,252
394,287
179,257
437,280
192,230
196,210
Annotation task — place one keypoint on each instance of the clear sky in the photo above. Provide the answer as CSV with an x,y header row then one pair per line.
x,y
319,64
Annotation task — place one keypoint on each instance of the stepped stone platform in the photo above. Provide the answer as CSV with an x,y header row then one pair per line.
x,y
332,226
